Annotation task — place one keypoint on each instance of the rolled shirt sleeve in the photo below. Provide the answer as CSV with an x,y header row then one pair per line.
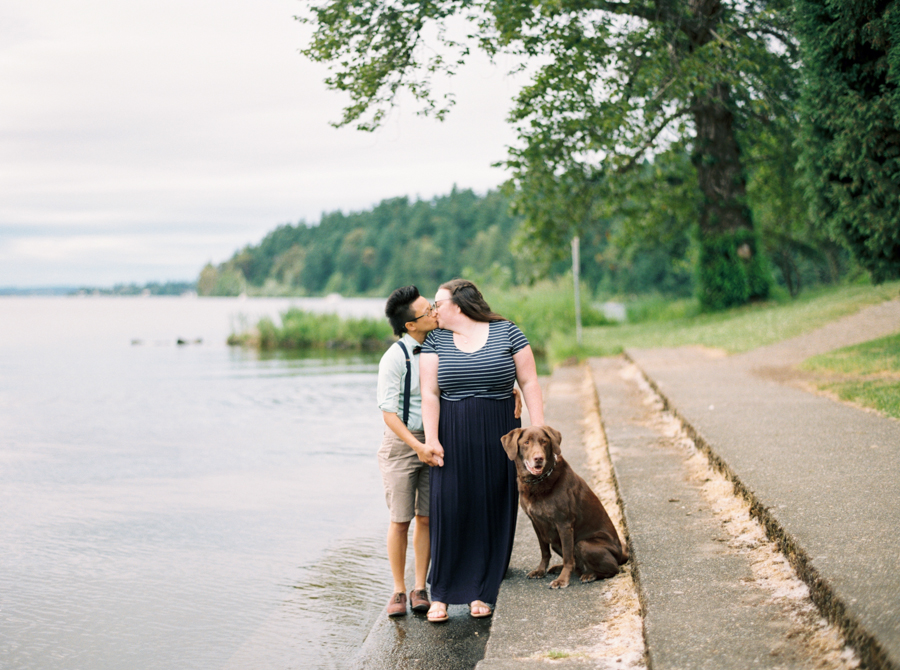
x,y
391,377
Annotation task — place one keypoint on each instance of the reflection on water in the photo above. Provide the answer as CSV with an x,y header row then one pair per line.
x,y
181,507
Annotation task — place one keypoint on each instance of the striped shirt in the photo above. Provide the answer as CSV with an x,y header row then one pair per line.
x,y
489,372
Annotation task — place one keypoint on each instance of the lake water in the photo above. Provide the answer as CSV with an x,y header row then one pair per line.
x,y
193,506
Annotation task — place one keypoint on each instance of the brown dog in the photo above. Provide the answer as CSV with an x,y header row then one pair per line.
x,y
566,514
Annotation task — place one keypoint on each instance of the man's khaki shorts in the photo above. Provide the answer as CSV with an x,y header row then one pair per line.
x,y
405,477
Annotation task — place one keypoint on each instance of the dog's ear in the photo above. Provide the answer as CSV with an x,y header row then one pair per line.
x,y
511,443
555,438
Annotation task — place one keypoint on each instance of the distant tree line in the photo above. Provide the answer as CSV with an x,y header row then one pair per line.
x,y
150,288
641,245
397,242
426,242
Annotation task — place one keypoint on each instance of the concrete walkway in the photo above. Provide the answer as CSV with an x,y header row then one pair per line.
x,y
582,625
703,604
823,477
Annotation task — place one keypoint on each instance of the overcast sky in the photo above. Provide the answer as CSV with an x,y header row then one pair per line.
x,y
140,140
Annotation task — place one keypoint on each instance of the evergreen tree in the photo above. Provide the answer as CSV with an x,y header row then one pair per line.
x,y
851,125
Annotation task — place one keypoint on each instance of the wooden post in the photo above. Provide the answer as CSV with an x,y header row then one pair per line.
x,y
576,277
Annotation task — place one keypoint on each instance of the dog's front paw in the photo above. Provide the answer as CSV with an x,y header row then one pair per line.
x,y
539,573
559,583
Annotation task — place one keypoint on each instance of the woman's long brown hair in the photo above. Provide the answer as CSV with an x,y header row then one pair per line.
x,y
468,298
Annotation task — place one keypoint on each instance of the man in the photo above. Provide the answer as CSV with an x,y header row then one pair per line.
x,y
403,457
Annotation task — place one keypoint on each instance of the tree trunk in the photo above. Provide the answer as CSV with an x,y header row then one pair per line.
x,y
730,272
720,172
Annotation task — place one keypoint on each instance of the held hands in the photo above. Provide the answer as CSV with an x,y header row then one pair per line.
x,y
518,411
431,454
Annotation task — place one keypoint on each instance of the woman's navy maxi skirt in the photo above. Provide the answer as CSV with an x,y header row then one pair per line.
x,y
474,501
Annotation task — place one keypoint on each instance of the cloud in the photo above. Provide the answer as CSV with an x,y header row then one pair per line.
x,y
182,116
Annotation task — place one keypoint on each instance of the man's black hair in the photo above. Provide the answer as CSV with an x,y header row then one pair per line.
x,y
398,310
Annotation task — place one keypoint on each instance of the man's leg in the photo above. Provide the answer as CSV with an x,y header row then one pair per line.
x,y
396,548
422,547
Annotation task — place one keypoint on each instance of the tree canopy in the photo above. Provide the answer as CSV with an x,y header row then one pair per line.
x,y
614,82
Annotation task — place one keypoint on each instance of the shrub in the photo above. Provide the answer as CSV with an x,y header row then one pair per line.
x,y
731,270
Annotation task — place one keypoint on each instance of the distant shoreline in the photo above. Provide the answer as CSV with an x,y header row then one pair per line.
x,y
150,288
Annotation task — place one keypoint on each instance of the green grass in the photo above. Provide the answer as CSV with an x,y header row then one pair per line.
x,y
546,314
880,394
735,330
874,357
867,374
543,309
305,330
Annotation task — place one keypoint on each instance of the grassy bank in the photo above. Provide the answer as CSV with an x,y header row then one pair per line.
x,y
305,330
539,311
543,310
680,323
546,314
867,374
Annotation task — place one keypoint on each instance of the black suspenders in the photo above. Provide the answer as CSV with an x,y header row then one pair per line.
x,y
406,384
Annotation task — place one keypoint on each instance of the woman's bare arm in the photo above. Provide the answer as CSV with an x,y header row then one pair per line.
x,y
433,454
526,375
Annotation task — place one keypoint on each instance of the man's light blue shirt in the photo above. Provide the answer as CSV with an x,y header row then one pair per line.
x,y
392,377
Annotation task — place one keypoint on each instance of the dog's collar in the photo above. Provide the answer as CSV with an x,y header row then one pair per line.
x,y
542,477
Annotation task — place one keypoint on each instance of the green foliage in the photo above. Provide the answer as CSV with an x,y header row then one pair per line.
x,y
731,271
851,125
226,280
543,309
613,82
802,254
873,357
652,213
867,374
150,288
736,330
880,394
396,243
425,243
658,308
556,655
300,329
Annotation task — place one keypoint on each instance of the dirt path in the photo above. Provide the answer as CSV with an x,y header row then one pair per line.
x,y
867,324
779,362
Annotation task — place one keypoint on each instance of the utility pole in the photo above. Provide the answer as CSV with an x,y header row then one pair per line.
x,y
576,277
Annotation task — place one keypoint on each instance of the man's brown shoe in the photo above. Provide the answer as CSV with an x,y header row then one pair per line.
x,y
419,600
397,606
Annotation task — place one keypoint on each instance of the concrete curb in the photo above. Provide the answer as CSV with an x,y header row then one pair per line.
x,y
871,653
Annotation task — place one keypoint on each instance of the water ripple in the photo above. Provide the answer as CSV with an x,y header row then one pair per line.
x,y
327,613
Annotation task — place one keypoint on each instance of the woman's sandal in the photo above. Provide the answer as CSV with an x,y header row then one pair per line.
x,y
437,613
478,605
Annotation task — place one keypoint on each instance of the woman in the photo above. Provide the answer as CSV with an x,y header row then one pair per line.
x,y
468,368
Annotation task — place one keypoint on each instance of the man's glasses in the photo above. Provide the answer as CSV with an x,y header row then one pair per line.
x,y
427,312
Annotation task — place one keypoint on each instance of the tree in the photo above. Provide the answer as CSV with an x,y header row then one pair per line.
x,y
614,82
802,253
851,125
